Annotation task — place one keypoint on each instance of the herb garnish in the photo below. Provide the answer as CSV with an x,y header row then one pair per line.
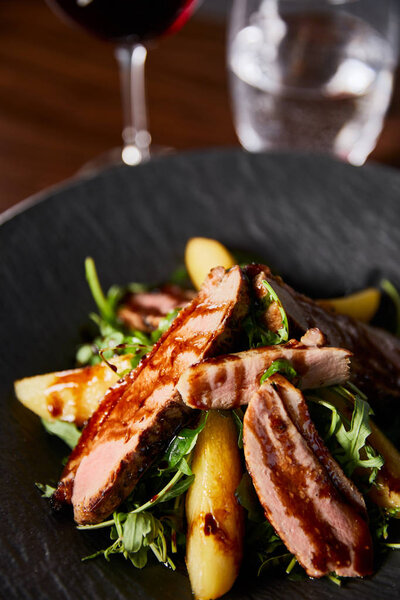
x,y
68,432
280,365
282,334
114,336
258,334
134,529
350,447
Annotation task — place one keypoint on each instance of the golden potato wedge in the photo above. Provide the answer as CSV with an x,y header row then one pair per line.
x,y
386,491
202,255
69,395
215,519
360,305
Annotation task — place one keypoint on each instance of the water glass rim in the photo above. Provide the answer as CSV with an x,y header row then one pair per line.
x,y
329,2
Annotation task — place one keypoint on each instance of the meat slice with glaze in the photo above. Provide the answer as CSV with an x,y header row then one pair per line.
x,y
313,507
138,417
376,353
145,310
227,381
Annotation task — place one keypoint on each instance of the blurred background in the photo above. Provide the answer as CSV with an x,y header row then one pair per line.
x,y
60,102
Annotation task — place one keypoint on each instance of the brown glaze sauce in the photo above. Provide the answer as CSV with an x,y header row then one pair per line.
x,y
210,525
74,381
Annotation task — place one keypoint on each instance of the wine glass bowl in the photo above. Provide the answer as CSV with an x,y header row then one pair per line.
x,y
129,25
126,22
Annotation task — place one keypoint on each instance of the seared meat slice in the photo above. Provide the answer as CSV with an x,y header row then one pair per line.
x,y
376,361
144,310
313,337
313,507
228,381
138,417
297,410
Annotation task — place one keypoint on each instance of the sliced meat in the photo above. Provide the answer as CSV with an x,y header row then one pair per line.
x,y
376,360
227,381
313,337
308,501
138,417
145,310
298,412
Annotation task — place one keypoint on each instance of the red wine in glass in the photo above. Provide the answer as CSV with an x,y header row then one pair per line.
x,y
129,24
128,21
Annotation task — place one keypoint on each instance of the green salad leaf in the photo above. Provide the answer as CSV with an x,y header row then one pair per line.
x,y
281,365
67,432
47,490
258,334
352,450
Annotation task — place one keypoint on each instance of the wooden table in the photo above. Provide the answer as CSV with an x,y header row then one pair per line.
x,y
60,105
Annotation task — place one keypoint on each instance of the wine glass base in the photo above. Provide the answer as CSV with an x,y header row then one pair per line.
x,y
121,156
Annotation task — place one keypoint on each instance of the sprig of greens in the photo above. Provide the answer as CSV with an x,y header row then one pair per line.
x,y
137,527
67,432
350,435
46,489
258,334
134,535
238,416
280,365
114,337
282,335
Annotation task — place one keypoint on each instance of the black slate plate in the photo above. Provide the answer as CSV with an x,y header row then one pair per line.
x,y
327,227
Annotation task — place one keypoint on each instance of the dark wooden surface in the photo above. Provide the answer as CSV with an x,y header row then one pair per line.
x,y
60,105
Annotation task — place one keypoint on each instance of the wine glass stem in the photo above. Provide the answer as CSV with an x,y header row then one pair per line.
x,y
136,138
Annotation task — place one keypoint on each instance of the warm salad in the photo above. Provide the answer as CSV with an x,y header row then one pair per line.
x,y
226,421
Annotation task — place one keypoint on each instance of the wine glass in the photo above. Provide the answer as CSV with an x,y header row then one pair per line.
x,y
312,74
129,25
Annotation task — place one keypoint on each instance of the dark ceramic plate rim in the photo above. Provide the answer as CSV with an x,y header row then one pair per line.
x,y
26,212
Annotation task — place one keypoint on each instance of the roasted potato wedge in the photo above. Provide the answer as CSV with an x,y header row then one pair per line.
x,y
360,305
202,255
215,519
386,491
69,395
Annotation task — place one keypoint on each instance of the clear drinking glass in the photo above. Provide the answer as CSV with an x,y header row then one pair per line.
x,y
130,25
312,74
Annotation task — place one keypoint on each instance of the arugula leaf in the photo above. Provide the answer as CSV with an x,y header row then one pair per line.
x,y
182,444
105,307
237,414
134,535
280,365
136,529
178,489
47,490
350,434
282,335
164,324
259,335
67,432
